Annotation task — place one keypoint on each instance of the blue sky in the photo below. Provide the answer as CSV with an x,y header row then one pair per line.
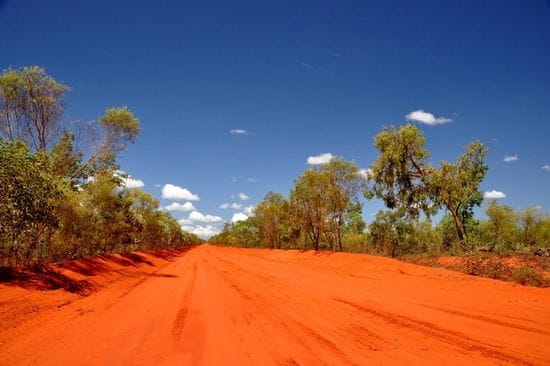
x,y
302,79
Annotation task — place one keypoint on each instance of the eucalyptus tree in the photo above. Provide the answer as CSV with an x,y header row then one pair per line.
x,y
32,104
272,215
405,180
345,182
310,204
322,196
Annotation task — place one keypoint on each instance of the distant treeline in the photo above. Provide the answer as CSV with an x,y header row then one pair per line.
x,y
323,210
62,195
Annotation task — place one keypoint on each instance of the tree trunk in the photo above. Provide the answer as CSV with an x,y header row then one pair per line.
x,y
458,226
339,232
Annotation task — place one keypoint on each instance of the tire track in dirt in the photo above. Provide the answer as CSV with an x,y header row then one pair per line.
x,y
179,321
451,337
215,305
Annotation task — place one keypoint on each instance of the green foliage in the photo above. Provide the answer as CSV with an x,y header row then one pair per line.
x,y
310,204
395,233
501,230
456,186
273,217
120,126
534,228
27,202
31,106
244,233
323,200
398,173
52,205
404,180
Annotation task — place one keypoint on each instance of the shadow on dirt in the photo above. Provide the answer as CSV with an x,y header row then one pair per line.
x,y
164,275
44,279
130,259
48,277
169,254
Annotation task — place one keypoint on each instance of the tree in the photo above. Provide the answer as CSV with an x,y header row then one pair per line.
x,y
272,217
353,219
530,223
54,206
31,106
27,201
501,228
116,128
404,179
398,174
392,232
243,233
311,204
456,186
343,186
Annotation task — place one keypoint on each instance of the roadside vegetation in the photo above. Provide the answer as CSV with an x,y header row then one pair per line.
x,y
62,194
323,211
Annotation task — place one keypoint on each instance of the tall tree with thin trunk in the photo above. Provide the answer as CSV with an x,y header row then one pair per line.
x,y
31,106
344,184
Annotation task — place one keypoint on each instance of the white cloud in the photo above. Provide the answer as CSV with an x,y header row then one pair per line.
x,y
510,158
366,173
233,179
249,210
130,182
176,206
196,216
239,131
320,159
201,231
172,192
494,194
185,221
239,216
546,168
251,180
427,118
234,205
243,196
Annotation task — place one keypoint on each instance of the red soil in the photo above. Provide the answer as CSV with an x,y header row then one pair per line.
x,y
219,306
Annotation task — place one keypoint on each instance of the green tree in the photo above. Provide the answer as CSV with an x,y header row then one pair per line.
x,y
398,174
272,216
116,128
403,178
455,187
27,202
353,219
393,233
501,228
311,205
32,104
530,224
344,182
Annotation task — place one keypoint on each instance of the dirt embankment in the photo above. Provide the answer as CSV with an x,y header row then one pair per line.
x,y
213,305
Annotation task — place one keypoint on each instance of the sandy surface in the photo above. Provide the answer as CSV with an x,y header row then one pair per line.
x,y
230,306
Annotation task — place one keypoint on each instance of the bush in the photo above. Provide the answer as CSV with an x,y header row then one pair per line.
x,y
527,277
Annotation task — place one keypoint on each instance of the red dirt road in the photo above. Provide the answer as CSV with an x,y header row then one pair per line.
x,y
223,306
